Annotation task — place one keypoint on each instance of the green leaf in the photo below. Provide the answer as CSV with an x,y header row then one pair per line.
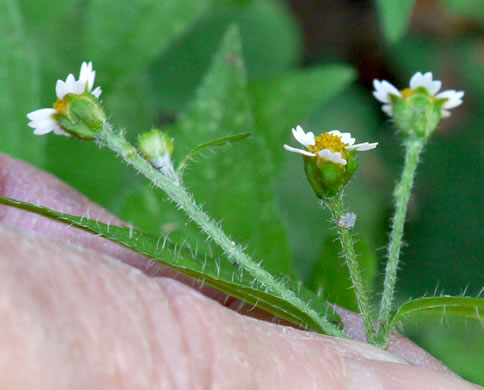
x,y
177,73
235,185
466,8
331,277
464,307
19,86
125,36
394,17
230,139
38,12
282,102
221,274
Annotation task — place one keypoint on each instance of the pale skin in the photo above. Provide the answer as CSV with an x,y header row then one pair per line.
x,y
78,312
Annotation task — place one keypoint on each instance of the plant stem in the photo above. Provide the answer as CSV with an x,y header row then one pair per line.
x,y
335,204
178,194
413,149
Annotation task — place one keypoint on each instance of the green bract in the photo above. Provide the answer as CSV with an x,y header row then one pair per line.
x,y
82,115
417,114
328,178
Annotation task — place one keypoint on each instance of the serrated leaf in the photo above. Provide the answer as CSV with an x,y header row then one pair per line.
x,y
282,102
229,139
19,86
235,185
331,277
125,36
464,307
394,17
221,274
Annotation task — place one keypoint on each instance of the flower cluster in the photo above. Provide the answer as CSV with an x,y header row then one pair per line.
x,y
45,120
386,93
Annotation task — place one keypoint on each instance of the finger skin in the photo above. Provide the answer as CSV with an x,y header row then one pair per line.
x,y
75,319
21,181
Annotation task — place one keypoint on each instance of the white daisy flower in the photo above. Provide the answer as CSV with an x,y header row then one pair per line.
x,y
330,146
43,121
384,90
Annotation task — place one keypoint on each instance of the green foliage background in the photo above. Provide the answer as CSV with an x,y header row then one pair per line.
x,y
155,63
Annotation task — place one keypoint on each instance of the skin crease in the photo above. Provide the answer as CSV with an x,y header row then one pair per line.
x,y
69,307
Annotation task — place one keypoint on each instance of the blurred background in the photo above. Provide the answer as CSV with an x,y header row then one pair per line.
x,y
308,62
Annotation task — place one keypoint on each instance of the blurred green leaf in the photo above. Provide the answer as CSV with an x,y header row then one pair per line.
x,y
466,8
43,12
394,17
463,307
330,276
229,139
221,274
19,86
281,102
235,184
125,36
179,70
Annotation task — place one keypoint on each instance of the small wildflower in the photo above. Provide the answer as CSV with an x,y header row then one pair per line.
x,y
418,109
45,120
387,93
331,146
329,159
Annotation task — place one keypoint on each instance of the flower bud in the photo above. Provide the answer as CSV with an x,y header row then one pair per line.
x,y
156,146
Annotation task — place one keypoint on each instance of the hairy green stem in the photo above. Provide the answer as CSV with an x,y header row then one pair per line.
x,y
335,205
413,149
178,194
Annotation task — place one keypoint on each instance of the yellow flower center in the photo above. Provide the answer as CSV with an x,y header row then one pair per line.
x,y
407,92
328,141
61,106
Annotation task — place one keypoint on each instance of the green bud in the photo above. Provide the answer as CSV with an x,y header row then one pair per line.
x,y
155,145
328,178
80,115
417,114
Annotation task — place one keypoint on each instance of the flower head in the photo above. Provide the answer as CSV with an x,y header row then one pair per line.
x,y
45,120
419,83
332,146
329,159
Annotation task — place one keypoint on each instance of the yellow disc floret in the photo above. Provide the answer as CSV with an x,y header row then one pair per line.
x,y
328,141
407,92
61,106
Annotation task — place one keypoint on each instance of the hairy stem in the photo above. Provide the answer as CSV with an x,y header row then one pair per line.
x,y
413,149
335,205
178,194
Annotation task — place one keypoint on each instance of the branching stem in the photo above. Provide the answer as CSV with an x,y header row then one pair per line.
x,y
178,194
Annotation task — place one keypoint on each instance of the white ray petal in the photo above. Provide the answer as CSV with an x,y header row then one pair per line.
x,y
419,80
305,139
335,157
41,115
387,109
362,147
346,138
453,97
383,90
300,151
97,92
